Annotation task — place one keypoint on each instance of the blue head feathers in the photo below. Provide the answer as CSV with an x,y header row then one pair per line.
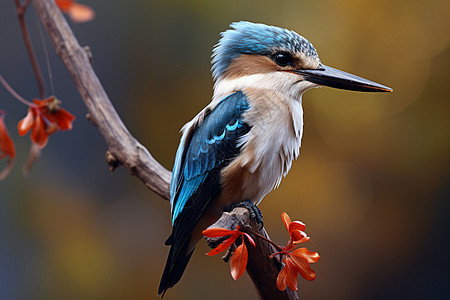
x,y
252,38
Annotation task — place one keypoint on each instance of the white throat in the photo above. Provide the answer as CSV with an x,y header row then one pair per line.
x,y
285,83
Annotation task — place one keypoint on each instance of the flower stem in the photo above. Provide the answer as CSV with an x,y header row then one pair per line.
x,y
13,92
21,9
264,238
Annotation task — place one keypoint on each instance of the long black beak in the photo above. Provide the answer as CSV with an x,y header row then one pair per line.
x,y
328,76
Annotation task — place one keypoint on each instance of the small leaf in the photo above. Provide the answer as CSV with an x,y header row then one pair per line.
x,y
297,236
26,123
224,245
7,148
286,220
302,266
218,232
310,256
39,136
33,156
307,272
64,119
291,275
297,225
238,261
302,240
6,144
281,279
250,239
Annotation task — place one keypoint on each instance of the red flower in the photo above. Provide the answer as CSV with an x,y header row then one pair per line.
x,y
295,229
44,118
296,261
238,261
78,12
6,147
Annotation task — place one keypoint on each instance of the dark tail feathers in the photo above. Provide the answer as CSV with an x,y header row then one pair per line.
x,y
176,264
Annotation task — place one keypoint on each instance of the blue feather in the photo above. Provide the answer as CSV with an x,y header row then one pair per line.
x,y
232,127
174,182
211,147
185,193
220,137
252,38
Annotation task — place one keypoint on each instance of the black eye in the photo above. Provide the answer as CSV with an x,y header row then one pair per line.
x,y
283,59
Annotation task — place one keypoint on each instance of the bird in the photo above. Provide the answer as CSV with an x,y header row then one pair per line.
x,y
240,146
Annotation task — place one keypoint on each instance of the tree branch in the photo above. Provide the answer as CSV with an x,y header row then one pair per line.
x,y
125,150
122,145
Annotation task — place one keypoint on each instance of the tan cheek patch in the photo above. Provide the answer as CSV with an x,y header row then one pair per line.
x,y
248,64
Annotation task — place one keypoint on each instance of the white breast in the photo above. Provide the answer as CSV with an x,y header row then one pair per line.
x,y
276,120
273,142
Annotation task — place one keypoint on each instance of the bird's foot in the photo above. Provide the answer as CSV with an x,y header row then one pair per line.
x,y
255,213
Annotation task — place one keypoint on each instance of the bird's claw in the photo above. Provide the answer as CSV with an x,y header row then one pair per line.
x,y
255,213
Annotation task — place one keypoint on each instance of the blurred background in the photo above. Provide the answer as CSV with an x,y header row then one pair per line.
x,y
372,183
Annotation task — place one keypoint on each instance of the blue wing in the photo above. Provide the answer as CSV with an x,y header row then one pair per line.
x,y
203,152
211,146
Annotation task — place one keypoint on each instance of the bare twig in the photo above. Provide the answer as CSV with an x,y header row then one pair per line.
x,y
21,9
13,92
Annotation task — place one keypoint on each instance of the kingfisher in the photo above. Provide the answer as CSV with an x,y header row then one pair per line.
x,y
239,147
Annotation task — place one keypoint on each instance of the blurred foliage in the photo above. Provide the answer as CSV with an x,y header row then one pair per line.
x,y
372,183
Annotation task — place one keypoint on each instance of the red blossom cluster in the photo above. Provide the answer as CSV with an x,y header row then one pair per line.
x,y
44,118
296,261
